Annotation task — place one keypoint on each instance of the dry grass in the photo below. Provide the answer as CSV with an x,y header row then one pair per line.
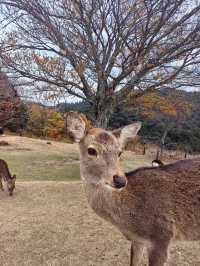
x,y
34,159
49,223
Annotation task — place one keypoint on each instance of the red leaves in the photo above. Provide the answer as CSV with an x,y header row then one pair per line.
x,y
8,111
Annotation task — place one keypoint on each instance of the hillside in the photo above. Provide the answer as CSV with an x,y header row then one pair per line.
x,y
183,134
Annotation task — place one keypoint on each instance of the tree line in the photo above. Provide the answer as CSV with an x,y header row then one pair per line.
x,y
170,118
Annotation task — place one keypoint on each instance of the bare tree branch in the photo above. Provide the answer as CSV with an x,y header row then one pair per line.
x,y
101,50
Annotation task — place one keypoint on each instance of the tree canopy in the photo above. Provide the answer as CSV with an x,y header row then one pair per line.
x,y
100,50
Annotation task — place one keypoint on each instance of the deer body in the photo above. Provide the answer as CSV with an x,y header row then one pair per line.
x,y
151,206
7,177
152,200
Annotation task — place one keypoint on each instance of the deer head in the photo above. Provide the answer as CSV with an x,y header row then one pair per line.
x,y
100,150
11,184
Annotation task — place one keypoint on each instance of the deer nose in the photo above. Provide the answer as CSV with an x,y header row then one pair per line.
x,y
119,181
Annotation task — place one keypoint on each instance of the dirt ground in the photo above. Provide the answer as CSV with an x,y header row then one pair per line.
x,y
50,223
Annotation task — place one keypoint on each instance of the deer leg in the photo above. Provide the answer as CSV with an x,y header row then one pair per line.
x,y
136,253
1,185
158,253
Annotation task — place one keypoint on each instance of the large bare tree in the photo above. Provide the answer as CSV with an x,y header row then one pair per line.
x,y
101,50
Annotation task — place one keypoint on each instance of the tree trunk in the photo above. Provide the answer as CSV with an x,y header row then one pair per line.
x,y
102,116
103,111
163,141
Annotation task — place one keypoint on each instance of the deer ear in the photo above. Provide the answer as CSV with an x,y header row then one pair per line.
x,y
76,126
127,133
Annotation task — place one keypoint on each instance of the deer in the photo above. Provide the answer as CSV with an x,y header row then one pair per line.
x,y
157,162
7,177
152,207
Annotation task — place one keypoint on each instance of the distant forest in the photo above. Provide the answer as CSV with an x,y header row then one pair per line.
x,y
183,133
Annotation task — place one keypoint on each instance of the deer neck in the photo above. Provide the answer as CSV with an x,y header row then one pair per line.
x,y
103,200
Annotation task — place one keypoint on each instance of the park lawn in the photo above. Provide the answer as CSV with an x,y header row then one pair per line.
x,y
50,223
34,159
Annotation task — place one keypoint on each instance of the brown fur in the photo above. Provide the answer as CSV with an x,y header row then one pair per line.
x,y
157,206
170,198
104,138
7,177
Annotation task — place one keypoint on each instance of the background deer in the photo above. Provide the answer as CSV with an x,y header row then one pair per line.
x,y
157,162
7,177
151,206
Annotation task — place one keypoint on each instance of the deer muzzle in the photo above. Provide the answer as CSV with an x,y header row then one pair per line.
x,y
119,181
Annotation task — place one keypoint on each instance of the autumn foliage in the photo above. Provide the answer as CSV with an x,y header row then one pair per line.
x,y
55,125
48,122
7,111
45,122
154,105
168,108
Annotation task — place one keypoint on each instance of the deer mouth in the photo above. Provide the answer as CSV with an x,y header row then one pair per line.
x,y
119,181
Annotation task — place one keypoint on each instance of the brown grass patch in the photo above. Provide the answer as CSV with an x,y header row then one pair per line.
x,y
51,224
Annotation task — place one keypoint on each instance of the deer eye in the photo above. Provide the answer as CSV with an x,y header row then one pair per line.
x,y
92,152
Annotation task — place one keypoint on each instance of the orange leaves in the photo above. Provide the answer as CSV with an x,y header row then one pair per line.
x,y
149,114
181,106
173,105
49,123
80,68
168,109
149,66
45,62
45,122
55,125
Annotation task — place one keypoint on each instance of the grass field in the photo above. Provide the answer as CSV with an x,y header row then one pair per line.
x,y
49,223
33,159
